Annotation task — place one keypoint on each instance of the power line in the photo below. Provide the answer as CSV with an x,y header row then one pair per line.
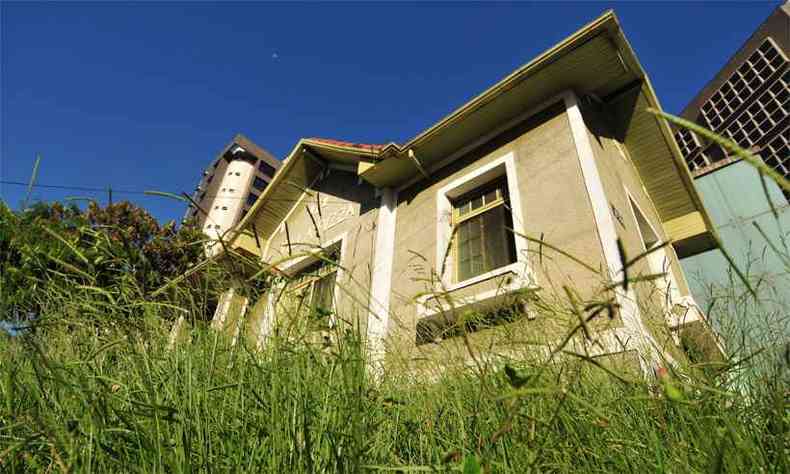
x,y
131,192
71,188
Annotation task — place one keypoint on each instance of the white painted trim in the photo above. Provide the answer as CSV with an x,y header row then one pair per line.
x,y
444,211
240,320
267,318
221,313
430,305
607,233
294,265
296,205
381,279
512,268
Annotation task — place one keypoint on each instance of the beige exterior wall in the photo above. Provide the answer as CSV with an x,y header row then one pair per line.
x,y
554,205
347,217
622,183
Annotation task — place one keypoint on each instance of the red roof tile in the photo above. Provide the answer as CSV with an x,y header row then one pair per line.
x,y
362,146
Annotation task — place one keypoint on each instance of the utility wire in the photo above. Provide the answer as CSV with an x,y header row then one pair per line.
x,y
128,191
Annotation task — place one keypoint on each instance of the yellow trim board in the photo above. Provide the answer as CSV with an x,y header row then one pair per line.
x,y
684,227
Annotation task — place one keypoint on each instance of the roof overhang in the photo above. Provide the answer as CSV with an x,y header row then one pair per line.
x,y
596,61
306,163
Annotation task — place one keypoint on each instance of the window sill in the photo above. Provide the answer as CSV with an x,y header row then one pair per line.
x,y
428,306
512,268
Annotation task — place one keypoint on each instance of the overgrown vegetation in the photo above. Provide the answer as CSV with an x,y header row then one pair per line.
x,y
90,383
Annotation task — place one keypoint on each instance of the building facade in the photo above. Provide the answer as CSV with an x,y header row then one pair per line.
x,y
748,101
231,185
547,200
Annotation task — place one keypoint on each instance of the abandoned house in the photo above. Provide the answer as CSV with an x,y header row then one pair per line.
x,y
521,207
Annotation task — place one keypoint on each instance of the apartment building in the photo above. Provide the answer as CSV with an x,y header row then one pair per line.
x,y
748,101
531,192
231,185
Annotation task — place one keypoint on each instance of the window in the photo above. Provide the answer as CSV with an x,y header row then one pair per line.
x,y
259,184
487,198
658,259
266,168
482,241
314,287
251,198
745,81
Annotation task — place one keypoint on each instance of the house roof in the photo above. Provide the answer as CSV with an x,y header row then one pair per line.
x,y
344,144
596,61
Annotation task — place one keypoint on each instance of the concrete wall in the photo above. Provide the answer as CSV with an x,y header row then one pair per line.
x,y
736,201
555,206
230,194
347,216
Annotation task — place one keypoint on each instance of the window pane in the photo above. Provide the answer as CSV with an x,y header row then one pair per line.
x,y
477,202
496,248
474,227
484,243
491,196
463,250
323,293
266,168
259,184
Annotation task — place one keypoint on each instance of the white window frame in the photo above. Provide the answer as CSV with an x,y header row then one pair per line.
x,y
292,268
675,296
502,166
523,277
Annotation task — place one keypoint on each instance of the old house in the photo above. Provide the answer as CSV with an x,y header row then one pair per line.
x,y
507,217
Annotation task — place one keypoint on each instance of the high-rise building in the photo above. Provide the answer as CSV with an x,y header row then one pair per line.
x,y
748,101
231,185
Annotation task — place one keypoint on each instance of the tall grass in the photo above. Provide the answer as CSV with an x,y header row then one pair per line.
x,y
102,391
96,386
77,399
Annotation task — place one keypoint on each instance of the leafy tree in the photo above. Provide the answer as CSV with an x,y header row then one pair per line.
x,y
116,249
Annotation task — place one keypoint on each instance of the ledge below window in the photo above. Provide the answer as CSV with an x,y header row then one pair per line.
x,y
499,302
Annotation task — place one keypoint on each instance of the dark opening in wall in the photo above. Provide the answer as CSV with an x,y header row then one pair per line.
x,y
438,327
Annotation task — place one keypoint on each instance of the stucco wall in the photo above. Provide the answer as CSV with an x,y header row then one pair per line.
x,y
620,178
348,210
554,205
618,174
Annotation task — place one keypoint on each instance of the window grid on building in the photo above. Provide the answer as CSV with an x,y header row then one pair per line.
x,y
767,111
689,142
698,161
747,79
259,184
776,153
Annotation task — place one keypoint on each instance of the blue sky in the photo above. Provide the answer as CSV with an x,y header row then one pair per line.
x,y
142,96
